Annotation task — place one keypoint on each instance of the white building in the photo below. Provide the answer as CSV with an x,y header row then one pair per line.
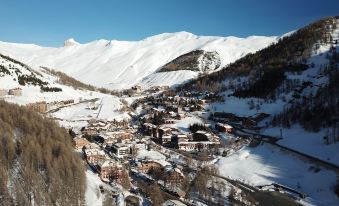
x,y
120,150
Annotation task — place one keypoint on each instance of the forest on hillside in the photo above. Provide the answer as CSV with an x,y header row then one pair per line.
x,y
38,164
289,54
263,75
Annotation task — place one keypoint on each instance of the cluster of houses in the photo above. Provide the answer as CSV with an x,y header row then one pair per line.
x,y
108,155
58,104
198,141
171,108
43,106
14,92
191,142
109,169
97,126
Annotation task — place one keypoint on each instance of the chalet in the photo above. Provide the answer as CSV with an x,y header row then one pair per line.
x,y
110,170
95,156
38,106
224,128
15,92
3,92
80,143
146,166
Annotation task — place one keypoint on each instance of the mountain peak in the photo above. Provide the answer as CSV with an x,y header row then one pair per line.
x,y
70,42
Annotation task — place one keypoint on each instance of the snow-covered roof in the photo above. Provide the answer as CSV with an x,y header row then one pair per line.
x,y
94,151
111,163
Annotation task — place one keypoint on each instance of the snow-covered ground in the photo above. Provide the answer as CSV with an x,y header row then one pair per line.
x,y
121,64
266,164
310,143
31,93
241,107
77,116
183,124
109,109
152,155
93,195
168,78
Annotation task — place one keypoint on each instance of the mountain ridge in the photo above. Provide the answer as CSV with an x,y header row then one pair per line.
x,y
121,64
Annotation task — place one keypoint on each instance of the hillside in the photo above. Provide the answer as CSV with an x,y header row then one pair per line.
x,y
294,81
121,64
38,165
42,84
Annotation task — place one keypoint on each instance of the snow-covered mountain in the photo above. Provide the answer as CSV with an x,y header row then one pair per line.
x,y
121,64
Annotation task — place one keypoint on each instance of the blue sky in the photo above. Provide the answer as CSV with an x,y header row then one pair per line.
x,y
49,23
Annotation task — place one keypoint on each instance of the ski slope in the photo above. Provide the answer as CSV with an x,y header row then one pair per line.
x,y
121,64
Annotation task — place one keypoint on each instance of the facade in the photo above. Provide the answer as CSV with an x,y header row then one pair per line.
x,y
166,139
174,176
192,146
165,131
95,156
38,106
3,92
120,150
110,170
15,92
